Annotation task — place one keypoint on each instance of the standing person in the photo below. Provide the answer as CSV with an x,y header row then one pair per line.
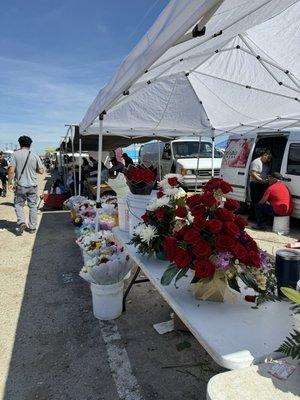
x,y
24,167
259,170
128,160
3,173
276,200
117,167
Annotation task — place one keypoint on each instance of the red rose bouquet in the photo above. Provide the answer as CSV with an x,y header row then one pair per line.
x,y
211,240
160,217
140,180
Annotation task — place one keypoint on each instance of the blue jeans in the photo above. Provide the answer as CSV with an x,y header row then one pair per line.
x,y
263,212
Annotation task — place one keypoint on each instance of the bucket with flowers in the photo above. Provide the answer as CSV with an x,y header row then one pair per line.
x,y
105,273
210,239
160,217
141,181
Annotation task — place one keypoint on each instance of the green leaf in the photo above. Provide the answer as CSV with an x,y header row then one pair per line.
x,y
292,294
195,279
181,273
233,284
291,346
168,275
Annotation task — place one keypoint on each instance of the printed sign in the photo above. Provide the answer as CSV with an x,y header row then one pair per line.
x,y
237,153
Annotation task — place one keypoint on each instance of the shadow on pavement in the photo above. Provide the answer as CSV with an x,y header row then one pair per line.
x,y
57,348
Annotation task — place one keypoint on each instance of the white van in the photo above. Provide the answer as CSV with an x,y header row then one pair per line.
x,y
242,149
180,156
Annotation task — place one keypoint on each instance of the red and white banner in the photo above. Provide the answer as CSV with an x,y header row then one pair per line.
x,y
237,153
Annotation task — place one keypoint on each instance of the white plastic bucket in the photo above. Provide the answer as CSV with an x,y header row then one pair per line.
x,y
136,204
107,300
123,214
281,225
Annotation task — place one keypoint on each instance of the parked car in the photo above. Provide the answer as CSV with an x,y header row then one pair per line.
x,y
181,156
242,149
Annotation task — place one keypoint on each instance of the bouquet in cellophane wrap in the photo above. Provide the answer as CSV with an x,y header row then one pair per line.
x,y
140,179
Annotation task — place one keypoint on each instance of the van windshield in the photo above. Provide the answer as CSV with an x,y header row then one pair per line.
x,y
190,150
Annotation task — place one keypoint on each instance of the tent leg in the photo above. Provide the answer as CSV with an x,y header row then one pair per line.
x,y
159,161
79,171
73,163
98,204
213,158
198,159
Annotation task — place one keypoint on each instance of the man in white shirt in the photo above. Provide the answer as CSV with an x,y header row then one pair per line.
x,y
259,171
24,167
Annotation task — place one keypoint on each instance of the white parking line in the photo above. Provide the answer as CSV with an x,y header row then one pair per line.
x,y
126,383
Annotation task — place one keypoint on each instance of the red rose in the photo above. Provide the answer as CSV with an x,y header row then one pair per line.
x,y
198,210
231,204
199,223
207,199
252,246
231,229
159,213
204,269
173,181
169,246
224,215
214,225
182,258
191,236
224,243
180,234
193,200
145,218
202,249
159,194
181,212
250,298
240,221
225,187
240,253
212,184
254,259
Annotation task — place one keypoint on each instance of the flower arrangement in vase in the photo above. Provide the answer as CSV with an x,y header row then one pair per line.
x,y
211,240
140,179
160,217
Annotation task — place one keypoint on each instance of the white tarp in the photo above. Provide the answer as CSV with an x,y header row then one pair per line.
x,y
242,74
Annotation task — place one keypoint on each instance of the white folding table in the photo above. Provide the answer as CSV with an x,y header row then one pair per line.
x,y
235,335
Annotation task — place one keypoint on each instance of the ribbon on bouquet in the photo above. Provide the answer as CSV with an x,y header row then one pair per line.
x,y
216,289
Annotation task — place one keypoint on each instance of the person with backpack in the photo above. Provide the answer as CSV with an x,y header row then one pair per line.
x,y
24,167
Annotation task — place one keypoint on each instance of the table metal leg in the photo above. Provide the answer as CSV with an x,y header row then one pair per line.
x,y
132,282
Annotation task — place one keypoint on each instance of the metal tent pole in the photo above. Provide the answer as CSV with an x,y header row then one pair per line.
x,y
213,157
73,161
98,204
159,161
80,166
198,157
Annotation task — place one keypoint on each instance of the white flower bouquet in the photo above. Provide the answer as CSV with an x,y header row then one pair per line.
x,y
74,201
110,267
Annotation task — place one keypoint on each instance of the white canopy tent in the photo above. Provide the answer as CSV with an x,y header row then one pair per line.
x,y
208,67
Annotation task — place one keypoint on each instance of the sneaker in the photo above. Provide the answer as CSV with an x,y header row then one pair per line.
x,y
31,230
20,229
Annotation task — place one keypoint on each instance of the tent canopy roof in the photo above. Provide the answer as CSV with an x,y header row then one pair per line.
x,y
240,75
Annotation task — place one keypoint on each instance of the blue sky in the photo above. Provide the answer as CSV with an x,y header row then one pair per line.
x,y
56,55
